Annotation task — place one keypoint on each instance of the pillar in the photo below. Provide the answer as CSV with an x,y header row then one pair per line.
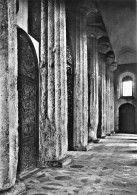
x,y
108,100
102,96
8,95
80,136
8,98
112,68
111,102
94,74
53,83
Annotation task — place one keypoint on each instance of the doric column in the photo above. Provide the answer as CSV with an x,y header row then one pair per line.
x,y
103,46
80,136
112,68
108,99
95,32
8,97
93,87
102,96
109,86
53,133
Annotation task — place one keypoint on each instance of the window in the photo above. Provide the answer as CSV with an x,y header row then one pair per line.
x,y
127,86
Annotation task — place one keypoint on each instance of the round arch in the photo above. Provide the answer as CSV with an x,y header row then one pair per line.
x,y
120,79
28,104
127,118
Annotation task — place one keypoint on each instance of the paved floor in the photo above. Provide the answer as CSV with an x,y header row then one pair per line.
x,y
109,168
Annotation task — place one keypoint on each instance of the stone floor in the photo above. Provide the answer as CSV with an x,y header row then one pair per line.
x,y
109,168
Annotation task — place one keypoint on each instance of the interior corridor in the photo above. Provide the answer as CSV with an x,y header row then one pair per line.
x,y
110,167
68,97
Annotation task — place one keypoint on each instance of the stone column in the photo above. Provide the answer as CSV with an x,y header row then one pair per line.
x,y
108,99
103,46
53,114
112,68
102,96
80,136
8,98
109,82
94,73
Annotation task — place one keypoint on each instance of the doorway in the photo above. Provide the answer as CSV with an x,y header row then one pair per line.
x,y
127,118
28,91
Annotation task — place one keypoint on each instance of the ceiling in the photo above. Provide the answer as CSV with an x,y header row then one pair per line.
x,y
119,17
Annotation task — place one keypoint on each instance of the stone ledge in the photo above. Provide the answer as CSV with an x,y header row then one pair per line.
x,y
61,162
18,189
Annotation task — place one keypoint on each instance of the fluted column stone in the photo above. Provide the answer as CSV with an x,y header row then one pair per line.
x,y
8,99
112,68
102,96
94,92
8,95
108,99
80,136
110,94
53,112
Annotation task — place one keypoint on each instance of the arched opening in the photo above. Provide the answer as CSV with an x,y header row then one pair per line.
x,y
127,86
28,91
127,118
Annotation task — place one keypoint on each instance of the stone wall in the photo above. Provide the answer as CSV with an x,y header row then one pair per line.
x,y
125,69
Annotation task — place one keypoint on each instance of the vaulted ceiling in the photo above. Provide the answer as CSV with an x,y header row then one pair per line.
x,y
119,17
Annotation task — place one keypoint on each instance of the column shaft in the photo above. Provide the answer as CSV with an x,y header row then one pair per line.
x,y
102,94
43,82
8,94
80,85
108,100
94,73
111,102
53,56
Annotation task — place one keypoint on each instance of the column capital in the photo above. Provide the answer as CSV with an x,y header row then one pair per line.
x,y
104,44
110,57
96,31
88,7
113,66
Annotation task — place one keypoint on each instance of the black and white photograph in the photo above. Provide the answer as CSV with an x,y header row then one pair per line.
x,y
68,97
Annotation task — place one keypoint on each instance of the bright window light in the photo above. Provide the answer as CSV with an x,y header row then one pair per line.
x,y
127,88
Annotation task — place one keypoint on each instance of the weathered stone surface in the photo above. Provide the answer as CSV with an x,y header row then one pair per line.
x,y
80,135
108,168
8,95
119,75
18,189
60,163
34,17
102,96
108,99
53,130
93,87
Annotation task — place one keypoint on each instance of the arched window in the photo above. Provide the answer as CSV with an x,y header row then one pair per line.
x,y
127,86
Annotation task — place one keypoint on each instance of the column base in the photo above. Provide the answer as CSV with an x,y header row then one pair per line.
x,y
88,147
60,163
80,148
112,132
108,134
103,137
18,189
